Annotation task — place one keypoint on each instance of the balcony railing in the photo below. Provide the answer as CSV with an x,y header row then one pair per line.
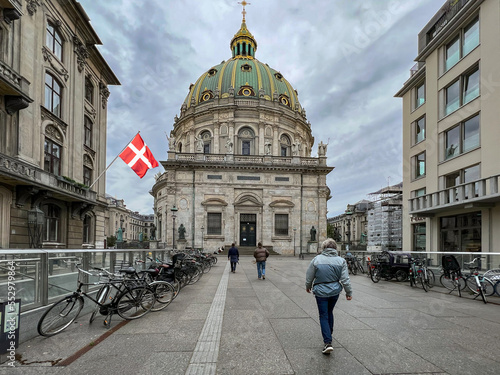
x,y
480,191
247,159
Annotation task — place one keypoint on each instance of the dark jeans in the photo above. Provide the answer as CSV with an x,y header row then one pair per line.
x,y
325,309
233,266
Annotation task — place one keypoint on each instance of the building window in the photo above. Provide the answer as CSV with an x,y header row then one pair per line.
x,y
281,224
285,145
54,41
206,138
214,223
461,232
52,158
419,95
87,139
464,176
419,162
419,237
452,97
419,193
89,90
461,45
52,95
471,37
471,86
52,223
462,138
86,229
462,91
419,130
452,53
87,176
246,138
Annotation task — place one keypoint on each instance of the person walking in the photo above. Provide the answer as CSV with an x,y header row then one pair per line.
x,y
261,254
233,255
326,276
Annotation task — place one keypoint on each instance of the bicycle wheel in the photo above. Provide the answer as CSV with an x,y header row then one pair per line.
x,y
353,268
481,291
447,282
360,267
60,315
497,288
421,278
164,294
135,302
430,279
375,276
401,275
488,287
198,272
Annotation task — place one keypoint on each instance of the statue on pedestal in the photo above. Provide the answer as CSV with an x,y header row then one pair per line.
x,y
182,232
313,233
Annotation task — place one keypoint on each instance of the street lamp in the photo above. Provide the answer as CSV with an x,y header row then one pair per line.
x,y
174,210
294,231
202,234
349,212
36,218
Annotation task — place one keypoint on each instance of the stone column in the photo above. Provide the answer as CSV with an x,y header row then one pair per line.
x,y
216,139
276,143
261,150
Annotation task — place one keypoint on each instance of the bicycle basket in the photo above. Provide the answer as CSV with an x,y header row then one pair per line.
x,y
493,275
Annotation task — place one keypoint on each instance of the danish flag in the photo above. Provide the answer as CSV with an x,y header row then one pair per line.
x,y
138,156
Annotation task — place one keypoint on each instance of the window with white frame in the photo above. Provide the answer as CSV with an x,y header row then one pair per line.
x,y
53,40
462,137
419,95
52,223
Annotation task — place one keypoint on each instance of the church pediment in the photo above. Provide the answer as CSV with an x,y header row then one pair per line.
x,y
282,203
248,200
214,202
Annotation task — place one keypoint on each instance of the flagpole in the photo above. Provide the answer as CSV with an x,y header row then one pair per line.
x,y
109,165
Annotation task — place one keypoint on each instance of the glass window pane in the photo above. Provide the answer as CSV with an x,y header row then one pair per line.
x,y
214,221
471,134
281,224
420,130
452,98
453,179
452,53
420,165
471,174
420,95
471,86
452,142
48,98
471,37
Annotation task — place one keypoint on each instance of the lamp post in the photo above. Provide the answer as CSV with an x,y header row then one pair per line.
x,y
174,210
36,218
202,234
294,232
349,213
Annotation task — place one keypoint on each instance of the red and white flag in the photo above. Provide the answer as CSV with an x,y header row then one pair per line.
x,y
138,156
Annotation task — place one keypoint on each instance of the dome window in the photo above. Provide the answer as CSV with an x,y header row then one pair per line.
x,y
212,72
285,100
246,68
206,95
278,76
246,91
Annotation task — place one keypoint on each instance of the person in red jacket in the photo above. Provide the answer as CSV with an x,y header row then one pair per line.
x,y
261,254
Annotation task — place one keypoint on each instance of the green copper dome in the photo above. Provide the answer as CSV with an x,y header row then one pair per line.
x,y
243,76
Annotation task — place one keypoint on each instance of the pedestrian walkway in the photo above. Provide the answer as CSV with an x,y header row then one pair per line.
x,y
233,323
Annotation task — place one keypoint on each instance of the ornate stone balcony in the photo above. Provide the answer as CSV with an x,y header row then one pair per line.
x,y
479,193
246,159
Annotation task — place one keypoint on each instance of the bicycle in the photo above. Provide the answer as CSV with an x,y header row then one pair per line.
x,y
477,283
419,272
129,302
494,276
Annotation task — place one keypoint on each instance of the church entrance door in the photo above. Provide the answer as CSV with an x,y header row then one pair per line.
x,y
248,233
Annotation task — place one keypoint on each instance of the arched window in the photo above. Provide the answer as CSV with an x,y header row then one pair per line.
x,y
87,137
180,147
53,93
52,230
207,141
246,140
89,90
87,170
86,229
52,157
285,145
53,40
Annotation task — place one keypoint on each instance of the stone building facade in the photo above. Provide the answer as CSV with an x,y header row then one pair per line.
x,y
53,116
239,165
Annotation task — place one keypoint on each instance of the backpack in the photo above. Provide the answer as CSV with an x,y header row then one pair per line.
x,y
450,263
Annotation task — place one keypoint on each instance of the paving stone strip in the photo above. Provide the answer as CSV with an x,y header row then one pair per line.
x,y
204,359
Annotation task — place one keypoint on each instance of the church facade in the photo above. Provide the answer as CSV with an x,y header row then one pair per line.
x,y
239,165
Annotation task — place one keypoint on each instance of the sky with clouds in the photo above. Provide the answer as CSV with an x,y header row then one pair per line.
x,y
345,58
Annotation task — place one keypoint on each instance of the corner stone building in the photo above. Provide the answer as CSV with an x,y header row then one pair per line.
x,y
239,166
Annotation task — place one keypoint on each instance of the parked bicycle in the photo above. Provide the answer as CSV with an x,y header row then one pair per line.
x,y
419,274
477,283
129,301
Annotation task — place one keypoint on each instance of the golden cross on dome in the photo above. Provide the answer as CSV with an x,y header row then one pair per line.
x,y
244,3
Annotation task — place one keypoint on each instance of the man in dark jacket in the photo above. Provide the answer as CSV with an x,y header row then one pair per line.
x,y
326,275
233,255
261,254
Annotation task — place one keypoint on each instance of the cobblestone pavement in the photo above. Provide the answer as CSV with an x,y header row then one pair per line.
x,y
233,323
